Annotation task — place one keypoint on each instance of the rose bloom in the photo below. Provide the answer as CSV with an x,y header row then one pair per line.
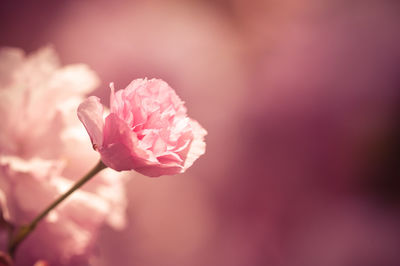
x,y
43,151
147,130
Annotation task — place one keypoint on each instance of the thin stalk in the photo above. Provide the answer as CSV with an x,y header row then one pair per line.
x,y
24,231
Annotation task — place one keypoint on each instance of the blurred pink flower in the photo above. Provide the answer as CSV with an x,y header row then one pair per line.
x,y
147,130
43,150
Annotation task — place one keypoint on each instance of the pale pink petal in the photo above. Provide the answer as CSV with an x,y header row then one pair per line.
x,y
198,146
117,156
10,60
81,206
120,149
160,169
78,78
39,196
90,112
159,146
113,106
170,158
149,137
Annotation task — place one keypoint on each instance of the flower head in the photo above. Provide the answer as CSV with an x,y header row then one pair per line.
x,y
147,130
39,159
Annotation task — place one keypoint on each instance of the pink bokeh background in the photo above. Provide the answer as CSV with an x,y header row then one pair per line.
x,y
301,102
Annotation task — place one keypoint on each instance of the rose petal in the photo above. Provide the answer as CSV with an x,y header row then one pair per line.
x,y
90,112
160,169
198,146
121,150
169,158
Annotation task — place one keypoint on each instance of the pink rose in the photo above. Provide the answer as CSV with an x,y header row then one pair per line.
x,y
147,130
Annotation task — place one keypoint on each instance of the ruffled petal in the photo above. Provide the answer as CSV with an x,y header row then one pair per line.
x,y
90,112
120,150
197,146
161,169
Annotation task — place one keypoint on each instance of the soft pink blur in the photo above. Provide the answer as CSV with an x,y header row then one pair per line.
x,y
43,150
300,99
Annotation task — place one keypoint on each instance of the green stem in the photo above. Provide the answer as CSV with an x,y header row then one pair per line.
x,y
24,231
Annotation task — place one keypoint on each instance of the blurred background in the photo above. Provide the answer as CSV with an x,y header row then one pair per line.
x,y
301,99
